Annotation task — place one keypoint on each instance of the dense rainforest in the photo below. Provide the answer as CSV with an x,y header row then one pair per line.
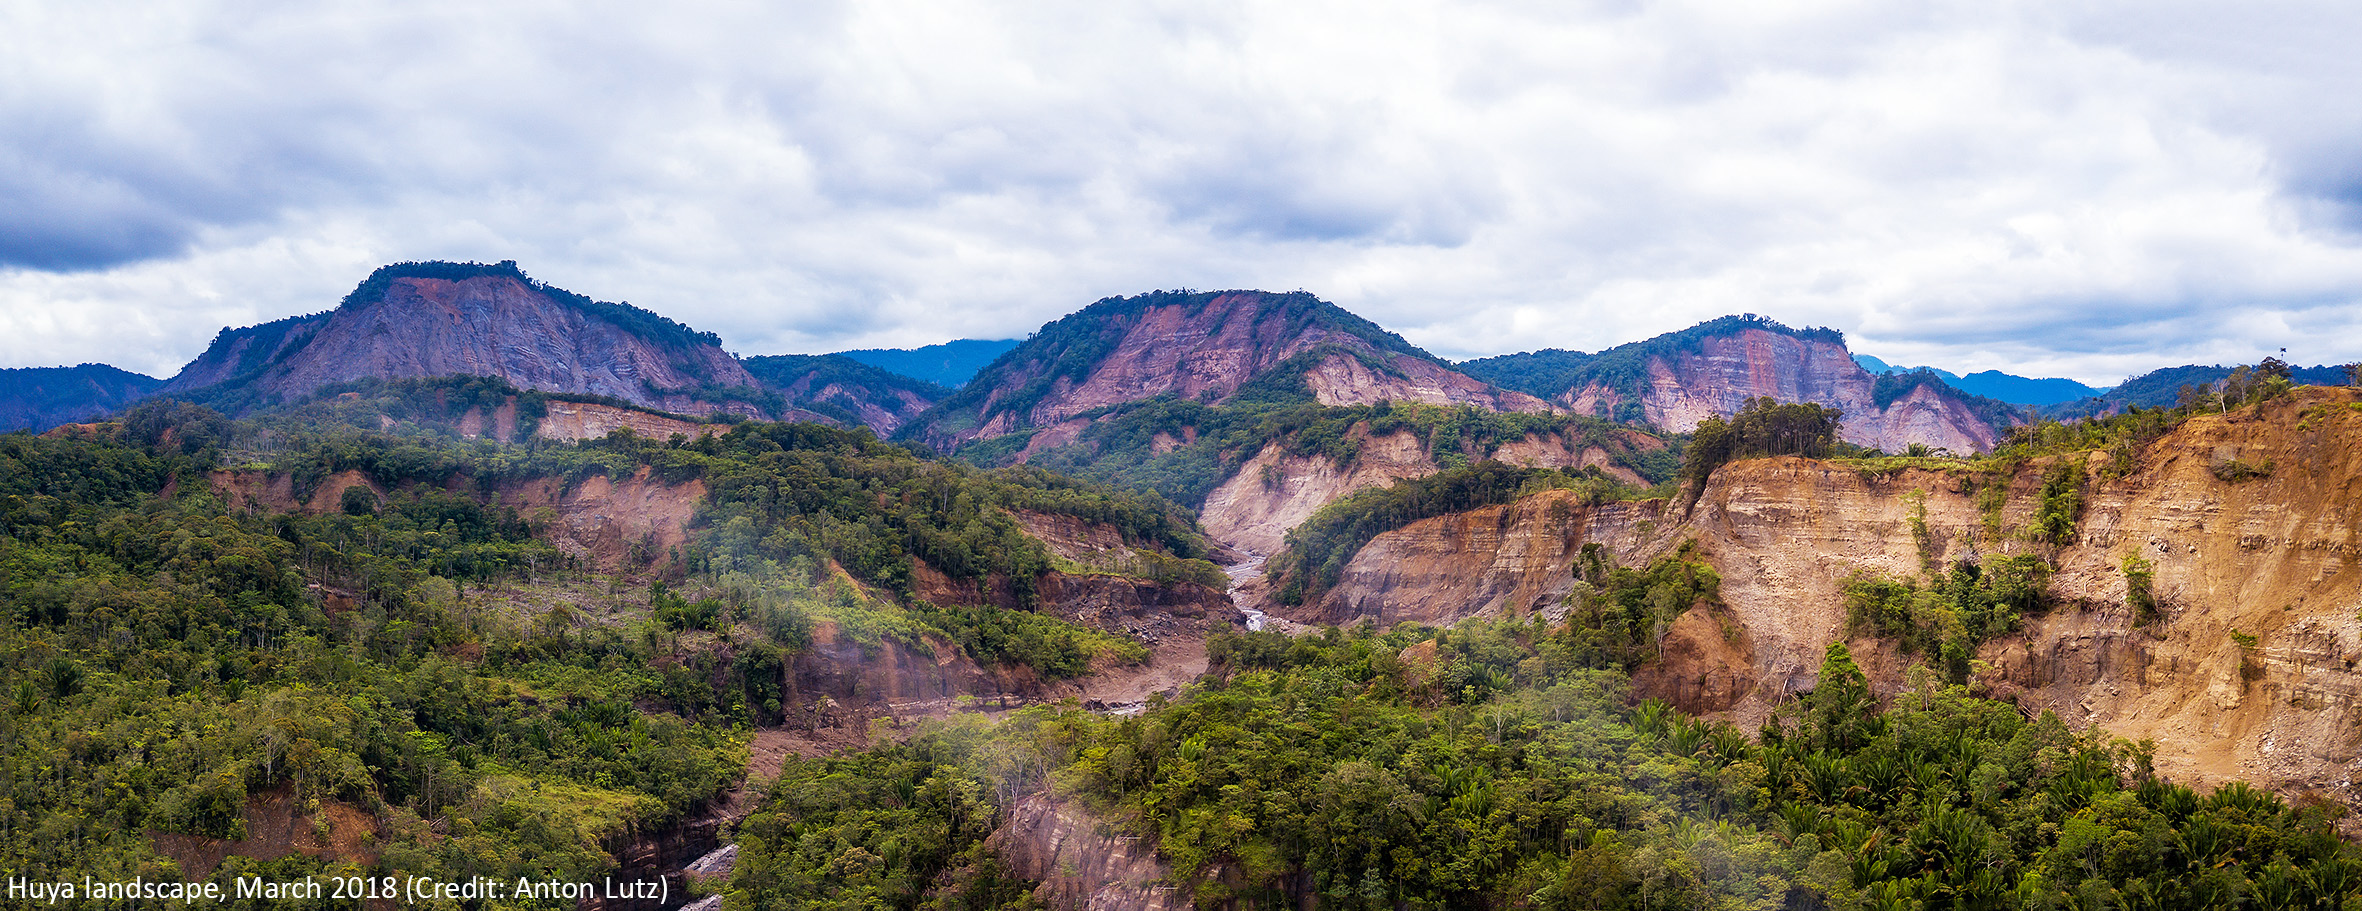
x,y
418,670
1506,766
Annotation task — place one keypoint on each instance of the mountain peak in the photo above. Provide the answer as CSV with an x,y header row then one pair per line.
x,y
425,319
1680,378
1208,346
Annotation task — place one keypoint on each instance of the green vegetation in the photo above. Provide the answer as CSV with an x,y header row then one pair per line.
x,y
2058,506
2176,386
423,653
1763,427
175,655
1618,616
901,826
1052,647
1317,551
1492,766
1945,619
1069,348
801,378
2140,588
1553,372
1205,445
1887,388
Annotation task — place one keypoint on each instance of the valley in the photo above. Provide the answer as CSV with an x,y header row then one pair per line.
x,y
1191,599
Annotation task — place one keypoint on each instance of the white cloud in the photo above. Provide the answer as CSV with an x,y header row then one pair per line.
x,y
2085,189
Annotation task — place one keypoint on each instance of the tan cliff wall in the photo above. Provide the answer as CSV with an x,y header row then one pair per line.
x,y
600,521
1274,491
2278,558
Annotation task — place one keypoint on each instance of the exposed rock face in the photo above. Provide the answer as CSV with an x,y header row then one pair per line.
x,y
601,520
1275,491
491,324
1080,863
38,398
1681,378
278,824
1204,347
1343,379
590,421
1753,363
2278,558
237,353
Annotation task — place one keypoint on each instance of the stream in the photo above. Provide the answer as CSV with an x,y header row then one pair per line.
x,y
1239,574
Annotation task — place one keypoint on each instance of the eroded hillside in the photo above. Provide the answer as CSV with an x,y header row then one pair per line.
x,y
2248,520
1202,347
1676,380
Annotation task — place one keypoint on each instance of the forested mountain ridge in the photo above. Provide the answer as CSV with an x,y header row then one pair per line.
x,y
950,364
1675,380
38,398
2169,387
1209,347
1993,384
845,390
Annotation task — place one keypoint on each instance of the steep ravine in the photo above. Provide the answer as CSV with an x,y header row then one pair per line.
x,y
2274,557
1276,491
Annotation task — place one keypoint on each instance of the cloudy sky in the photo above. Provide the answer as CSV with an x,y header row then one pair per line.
x,y
2086,189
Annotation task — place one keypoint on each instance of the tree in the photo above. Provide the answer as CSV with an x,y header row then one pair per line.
x,y
1763,427
1840,714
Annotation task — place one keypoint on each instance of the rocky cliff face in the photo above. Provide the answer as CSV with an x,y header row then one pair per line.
x,y
1080,863
2277,558
1712,369
1200,346
491,323
1719,379
1275,491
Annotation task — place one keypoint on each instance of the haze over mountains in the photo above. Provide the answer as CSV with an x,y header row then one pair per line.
x,y
438,319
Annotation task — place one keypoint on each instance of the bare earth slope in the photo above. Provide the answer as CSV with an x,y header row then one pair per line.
x,y
1731,369
1680,378
418,320
1205,346
1275,491
2278,558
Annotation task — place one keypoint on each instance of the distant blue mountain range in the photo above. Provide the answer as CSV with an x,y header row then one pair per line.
x,y
1994,384
950,364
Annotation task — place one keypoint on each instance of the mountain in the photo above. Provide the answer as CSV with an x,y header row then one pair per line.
x,y
1203,346
950,365
1996,385
845,390
439,319
1680,378
2161,388
38,398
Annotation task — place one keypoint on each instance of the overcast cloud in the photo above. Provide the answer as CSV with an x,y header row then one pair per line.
x,y
2079,189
